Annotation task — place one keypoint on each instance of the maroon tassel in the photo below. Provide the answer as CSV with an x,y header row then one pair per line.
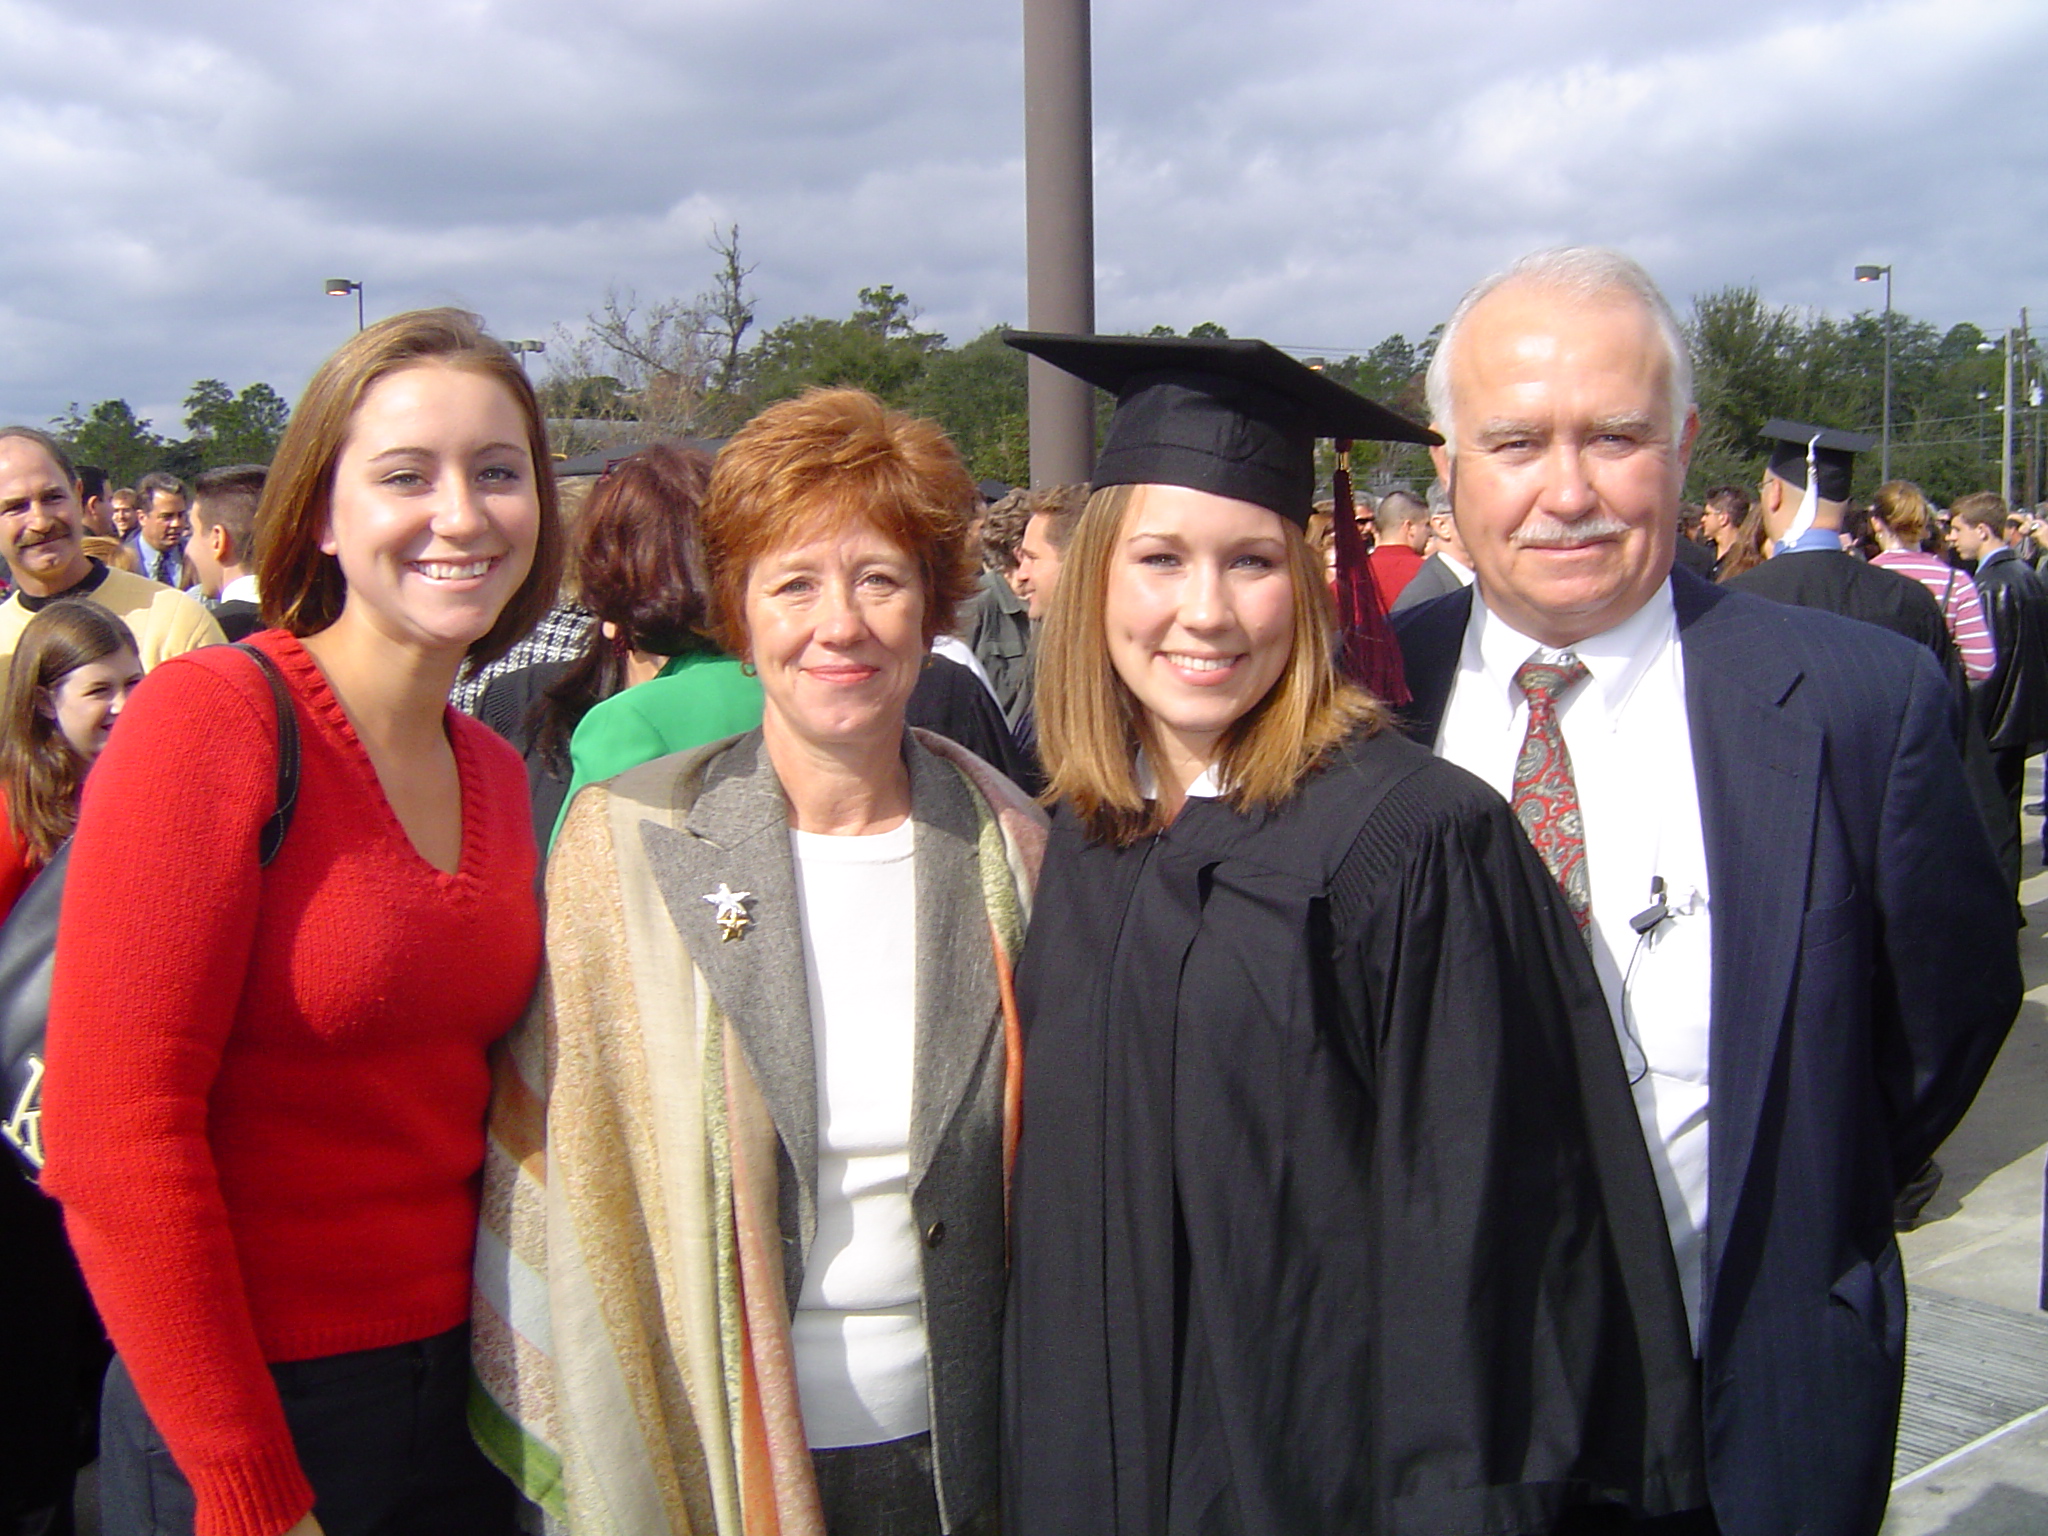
x,y
1369,656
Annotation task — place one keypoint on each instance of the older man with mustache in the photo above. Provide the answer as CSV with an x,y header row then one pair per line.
x,y
1758,815
40,531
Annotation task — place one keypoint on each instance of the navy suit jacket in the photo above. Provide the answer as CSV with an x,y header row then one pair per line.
x,y
1864,976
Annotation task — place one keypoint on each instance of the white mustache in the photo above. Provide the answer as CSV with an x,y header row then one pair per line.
x,y
1542,531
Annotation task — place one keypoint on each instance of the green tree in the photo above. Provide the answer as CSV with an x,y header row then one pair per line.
x,y
879,350
226,428
113,437
1753,361
977,393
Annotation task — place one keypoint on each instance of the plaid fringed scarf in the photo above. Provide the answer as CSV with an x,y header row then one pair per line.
x,y
633,1362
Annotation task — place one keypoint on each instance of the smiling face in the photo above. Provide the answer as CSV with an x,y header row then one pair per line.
x,y
1037,575
434,513
86,701
835,627
39,520
1198,614
1566,471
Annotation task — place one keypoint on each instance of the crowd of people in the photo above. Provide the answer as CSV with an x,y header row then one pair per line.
x,y
794,992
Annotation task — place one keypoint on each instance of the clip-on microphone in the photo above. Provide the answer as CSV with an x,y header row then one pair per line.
x,y
1658,911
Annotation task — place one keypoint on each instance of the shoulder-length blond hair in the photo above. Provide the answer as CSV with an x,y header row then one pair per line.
x,y
1090,726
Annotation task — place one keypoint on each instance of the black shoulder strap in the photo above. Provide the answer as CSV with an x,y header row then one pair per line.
x,y
272,837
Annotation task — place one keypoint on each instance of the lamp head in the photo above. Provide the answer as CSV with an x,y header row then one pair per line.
x,y
341,287
1869,274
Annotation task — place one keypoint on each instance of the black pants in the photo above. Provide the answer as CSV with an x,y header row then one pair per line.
x,y
52,1355
381,1433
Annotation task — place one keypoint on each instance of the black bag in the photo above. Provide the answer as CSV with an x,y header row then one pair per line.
x,y
28,948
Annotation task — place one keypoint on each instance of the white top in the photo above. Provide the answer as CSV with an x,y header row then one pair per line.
x,y
859,1327
1204,787
1631,750
1459,568
241,590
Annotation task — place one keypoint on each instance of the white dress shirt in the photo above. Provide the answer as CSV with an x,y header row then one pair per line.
x,y
1625,727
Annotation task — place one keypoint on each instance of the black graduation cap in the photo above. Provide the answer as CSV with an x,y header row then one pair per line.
x,y
1834,456
1234,417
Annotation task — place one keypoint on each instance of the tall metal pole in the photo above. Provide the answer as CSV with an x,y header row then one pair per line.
x,y
1869,272
2030,392
1059,220
1885,459
2005,453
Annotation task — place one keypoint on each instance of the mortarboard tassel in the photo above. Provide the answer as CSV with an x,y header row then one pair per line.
x,y
1369,655
1809,504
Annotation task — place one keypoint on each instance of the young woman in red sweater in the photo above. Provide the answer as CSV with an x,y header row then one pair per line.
x,y
265,1104
70,676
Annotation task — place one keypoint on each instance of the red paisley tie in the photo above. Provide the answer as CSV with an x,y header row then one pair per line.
x,y
1546,799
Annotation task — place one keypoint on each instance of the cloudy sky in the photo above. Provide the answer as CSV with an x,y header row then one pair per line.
x,y
180,175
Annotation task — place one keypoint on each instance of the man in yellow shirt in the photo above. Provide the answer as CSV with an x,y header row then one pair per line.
x,y
40,529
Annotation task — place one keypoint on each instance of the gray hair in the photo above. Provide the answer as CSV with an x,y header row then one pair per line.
x,y
1583,272
1439,497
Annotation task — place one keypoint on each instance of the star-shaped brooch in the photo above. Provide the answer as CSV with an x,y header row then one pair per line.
x,y
731,915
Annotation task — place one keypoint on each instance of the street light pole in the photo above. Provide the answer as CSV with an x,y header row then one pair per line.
x,y
1059,231
2005,455
341,288
1870,274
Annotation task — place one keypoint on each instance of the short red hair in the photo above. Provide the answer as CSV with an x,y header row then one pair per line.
x,y
808,467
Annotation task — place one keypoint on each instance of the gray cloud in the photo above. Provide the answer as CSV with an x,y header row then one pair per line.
x,y
178,180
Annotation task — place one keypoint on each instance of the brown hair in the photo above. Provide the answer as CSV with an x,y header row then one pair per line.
x,y
160,482
1090,726
39,771
1731,501
301,586
1002,530
1061,506
1902,507
110,552
640,566
229,497
1747,552
49,445
823,461
1986,509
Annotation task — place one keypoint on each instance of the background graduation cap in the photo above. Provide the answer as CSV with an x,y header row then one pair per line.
x,y
1240,418
1822,457
1816,460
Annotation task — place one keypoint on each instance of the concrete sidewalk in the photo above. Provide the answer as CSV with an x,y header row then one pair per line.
x,y
1973,1437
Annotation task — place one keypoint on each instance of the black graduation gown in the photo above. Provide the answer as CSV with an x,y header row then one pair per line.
x,y
1837,582
1331,1211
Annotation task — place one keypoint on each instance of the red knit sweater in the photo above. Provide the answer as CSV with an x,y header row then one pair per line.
x,y
265,1105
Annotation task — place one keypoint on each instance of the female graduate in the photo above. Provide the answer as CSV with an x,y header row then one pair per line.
x,y
1330,1212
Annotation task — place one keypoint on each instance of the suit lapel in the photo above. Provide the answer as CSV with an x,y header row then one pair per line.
x,y
737,835
1758,771
956,981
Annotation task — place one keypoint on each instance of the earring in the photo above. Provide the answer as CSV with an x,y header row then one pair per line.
x,y
747,669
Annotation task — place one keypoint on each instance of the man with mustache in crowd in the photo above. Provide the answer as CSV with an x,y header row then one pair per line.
x,y
1759,817
40,521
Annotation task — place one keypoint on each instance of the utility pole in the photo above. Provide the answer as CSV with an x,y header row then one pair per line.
x,y
2031,393
1059,221
2005,452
